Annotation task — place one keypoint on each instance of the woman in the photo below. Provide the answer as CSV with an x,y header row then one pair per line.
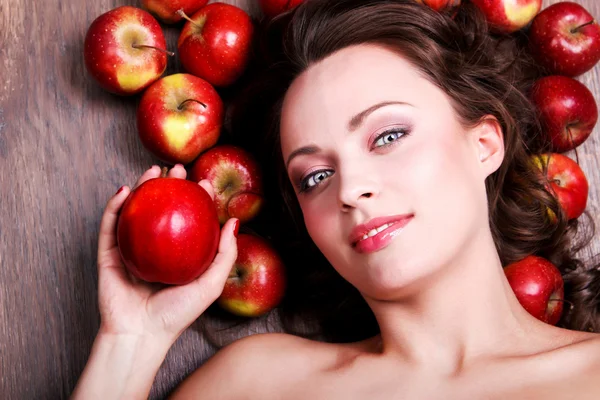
x,y
403,136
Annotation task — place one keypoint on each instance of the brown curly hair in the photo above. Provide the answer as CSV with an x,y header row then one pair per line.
x,y
483,74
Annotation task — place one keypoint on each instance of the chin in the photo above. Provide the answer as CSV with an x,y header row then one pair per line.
x,y
387,280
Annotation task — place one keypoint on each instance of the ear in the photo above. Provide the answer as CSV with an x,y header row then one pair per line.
x,y
488,140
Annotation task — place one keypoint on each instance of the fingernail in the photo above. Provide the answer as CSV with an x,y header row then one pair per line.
x,y
120,190
236,228
178,165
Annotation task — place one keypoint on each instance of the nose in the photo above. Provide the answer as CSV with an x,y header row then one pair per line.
x,y
355,187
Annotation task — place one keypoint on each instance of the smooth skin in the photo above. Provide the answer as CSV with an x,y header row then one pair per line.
x,y
451,327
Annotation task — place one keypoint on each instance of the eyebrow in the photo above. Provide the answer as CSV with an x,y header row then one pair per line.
x,y
353,125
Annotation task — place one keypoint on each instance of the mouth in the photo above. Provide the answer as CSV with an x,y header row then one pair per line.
x,y
374,227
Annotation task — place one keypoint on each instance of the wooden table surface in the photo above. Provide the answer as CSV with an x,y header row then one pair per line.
x,y
65,147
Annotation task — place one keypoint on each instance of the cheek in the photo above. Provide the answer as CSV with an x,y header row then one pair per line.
x,y
450,191
319,219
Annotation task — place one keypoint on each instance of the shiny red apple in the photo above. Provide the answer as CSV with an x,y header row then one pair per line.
x,y
539,287
441,5
257,281
567,182
168,231
272,8
565,39
125,50
215,43
179,117
507,16
567,109
235,176
166,10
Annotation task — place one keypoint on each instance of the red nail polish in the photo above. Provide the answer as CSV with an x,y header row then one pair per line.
x,y
236,228
120,190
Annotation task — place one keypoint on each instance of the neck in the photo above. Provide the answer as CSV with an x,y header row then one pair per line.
x,y
465,312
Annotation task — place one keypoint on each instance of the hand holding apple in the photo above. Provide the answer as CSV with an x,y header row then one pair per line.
x,y
507,16
568,110
124,50
566,180
166,10
257,281
236,179
565,39
168,231
539,287
179,117
215,43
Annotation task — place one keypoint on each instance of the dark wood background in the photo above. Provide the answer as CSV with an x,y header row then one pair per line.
x,y
65,147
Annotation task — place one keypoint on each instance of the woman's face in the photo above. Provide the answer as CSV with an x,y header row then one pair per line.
x,y
373,146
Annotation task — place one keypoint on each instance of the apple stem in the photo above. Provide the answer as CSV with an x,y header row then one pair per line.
x,y
564,301
139,46
163,172
571,140
180,107
184,16
576,29
234,273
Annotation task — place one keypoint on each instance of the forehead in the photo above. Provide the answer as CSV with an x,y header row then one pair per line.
x,y
330,92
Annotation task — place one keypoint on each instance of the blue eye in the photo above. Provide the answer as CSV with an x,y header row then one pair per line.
x,y
389,137
314,179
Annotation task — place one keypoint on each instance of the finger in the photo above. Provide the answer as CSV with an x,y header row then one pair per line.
x,y
107,238
152,172
178,171
213,279
206,185
202,292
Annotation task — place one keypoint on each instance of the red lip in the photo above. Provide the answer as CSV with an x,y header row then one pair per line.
x,y
360,230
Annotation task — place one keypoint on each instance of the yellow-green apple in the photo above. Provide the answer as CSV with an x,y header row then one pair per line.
x,y
166,10
507,16
539,287
272,8
441,5
168,231
215,43
125,50
566,181
236,179
257,281
567,110
565,39
179,117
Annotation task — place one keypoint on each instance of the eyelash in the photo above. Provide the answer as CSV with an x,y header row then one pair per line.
x,y
401,132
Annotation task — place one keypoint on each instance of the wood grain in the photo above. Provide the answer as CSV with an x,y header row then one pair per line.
x,y
65,147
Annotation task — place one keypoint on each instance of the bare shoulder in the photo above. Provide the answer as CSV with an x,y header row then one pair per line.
x,y
578,362
257,366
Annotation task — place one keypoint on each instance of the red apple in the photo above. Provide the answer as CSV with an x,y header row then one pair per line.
x,y
166,10
565,39
235,176
168,231
441,5
257,281
568,111
507,16
539,287
215,43
566,180
124,50
179,117
272,8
